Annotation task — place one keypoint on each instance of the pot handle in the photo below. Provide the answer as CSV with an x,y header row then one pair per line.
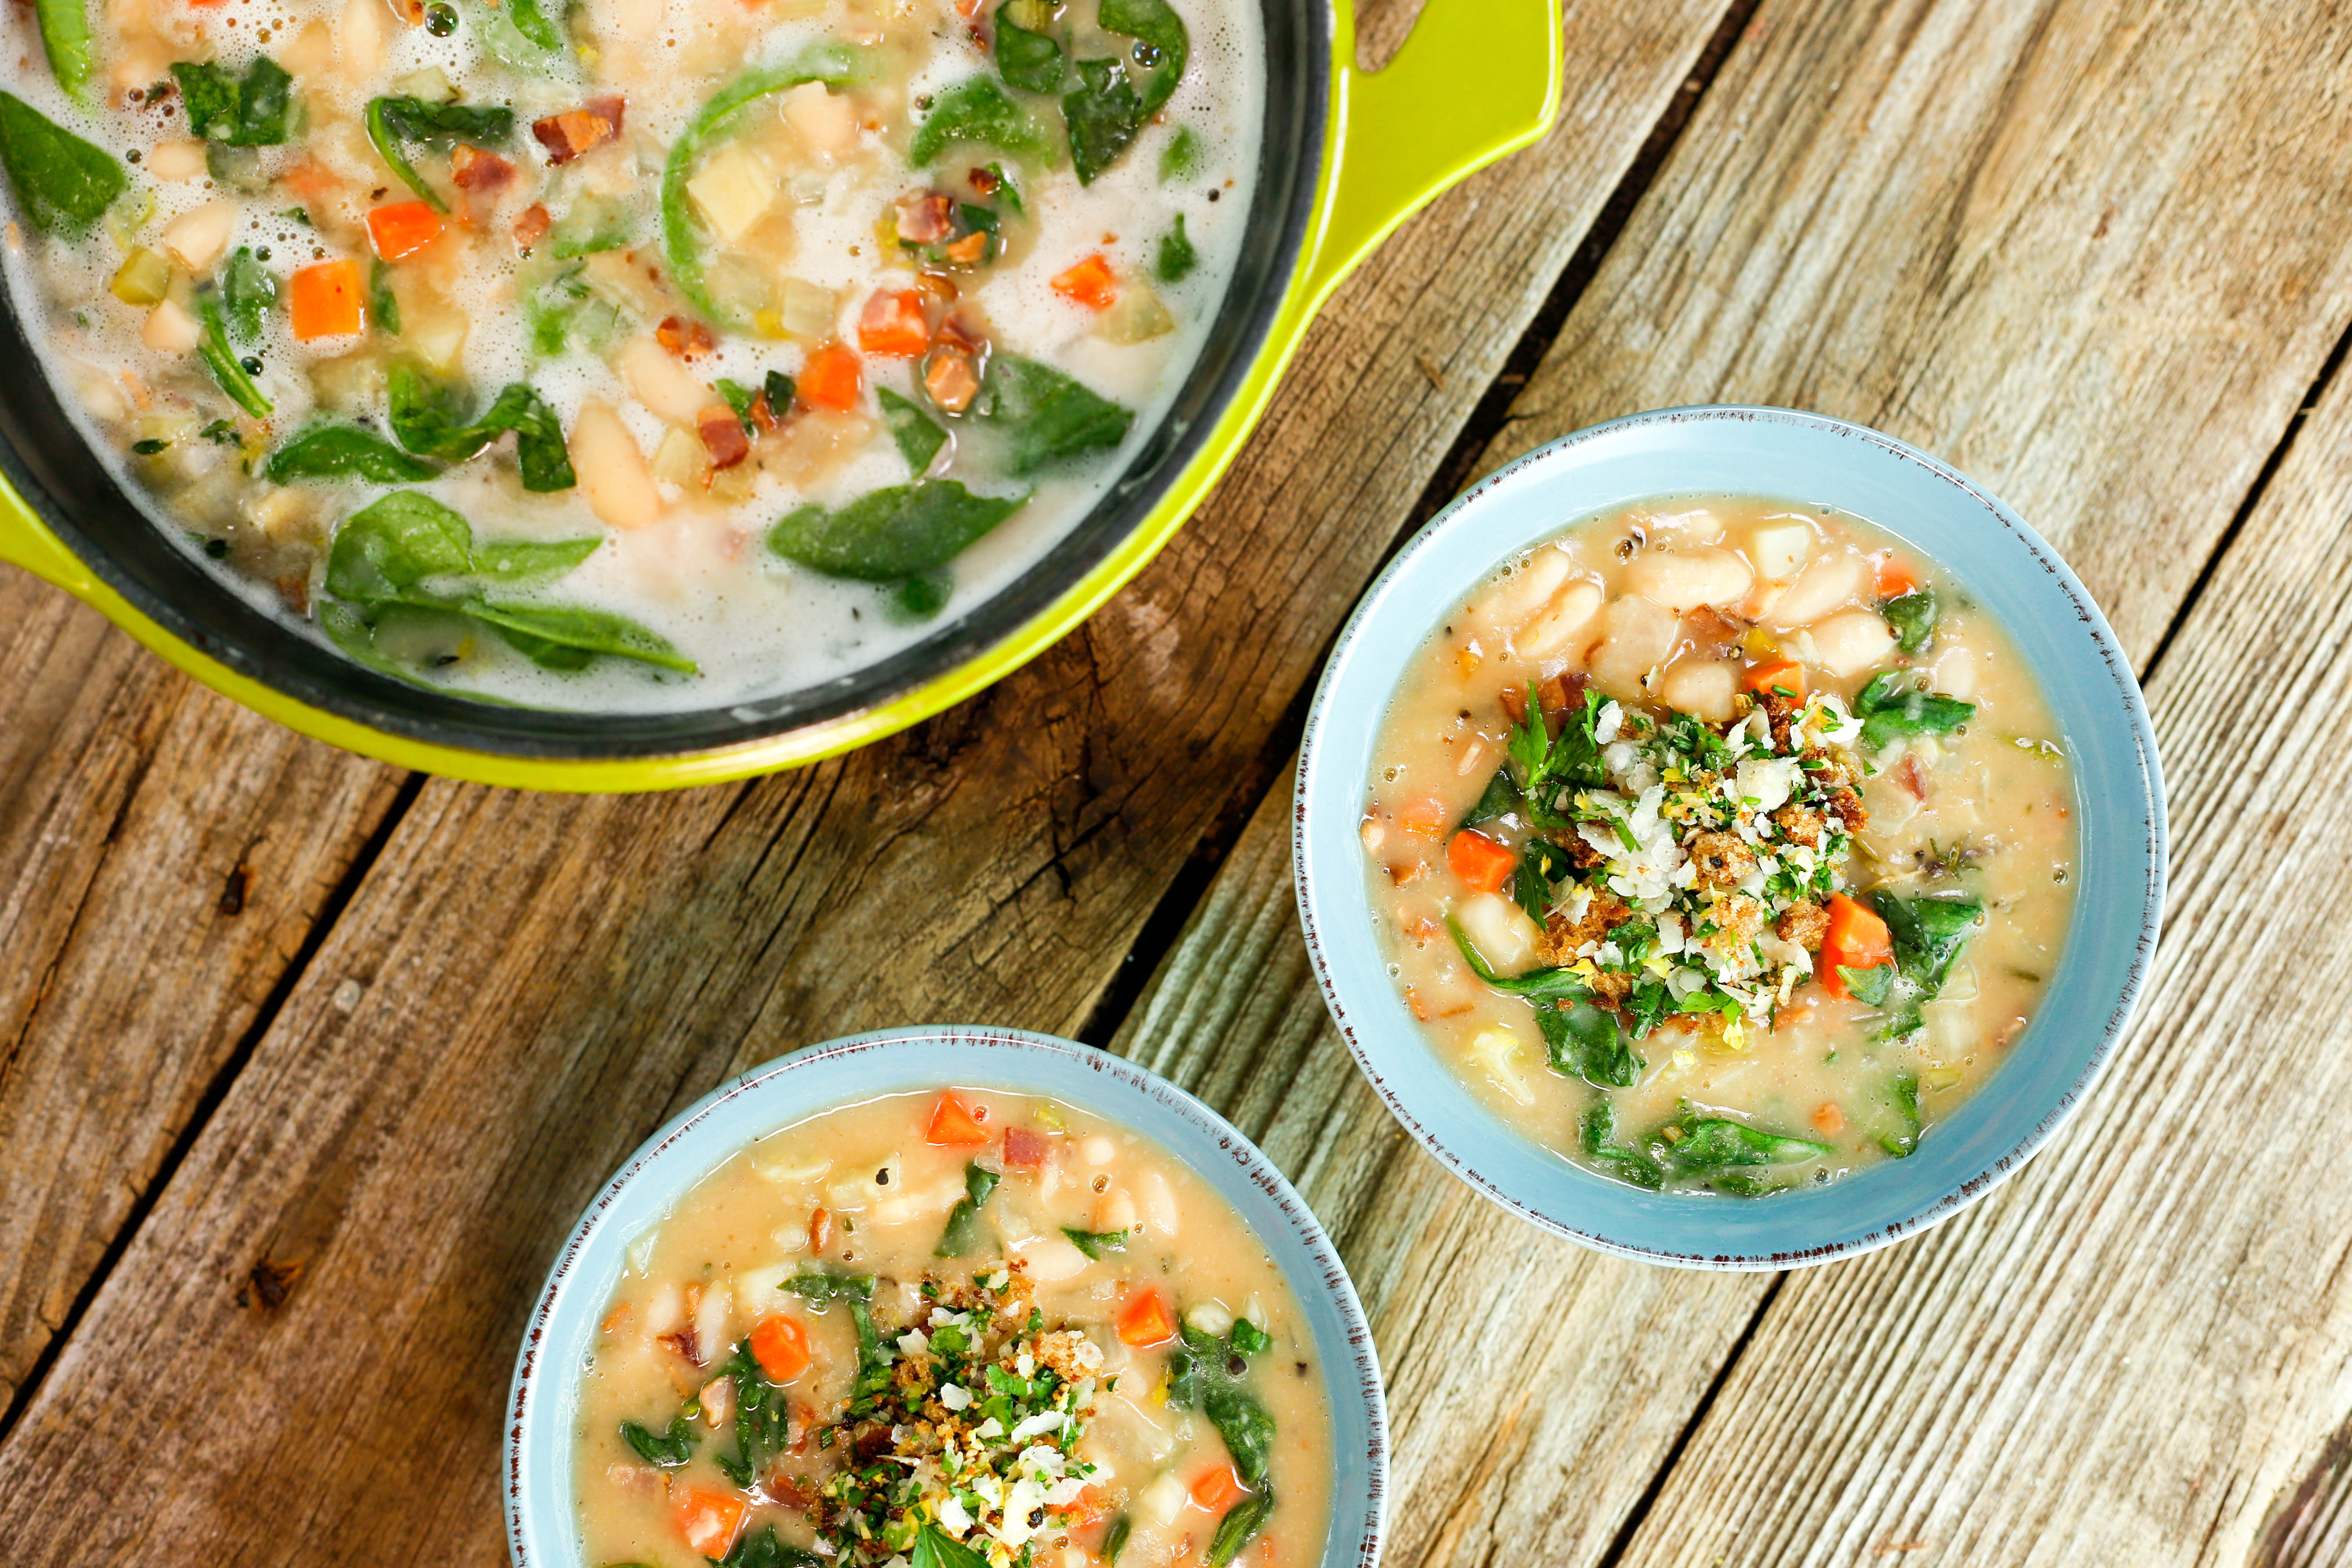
x,y
1475,81
26,541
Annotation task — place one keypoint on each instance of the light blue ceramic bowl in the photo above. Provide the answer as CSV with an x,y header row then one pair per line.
x,y
2119,807
542,1408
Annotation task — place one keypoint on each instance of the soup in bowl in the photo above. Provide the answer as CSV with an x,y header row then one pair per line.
x,y
1729,837
948,1299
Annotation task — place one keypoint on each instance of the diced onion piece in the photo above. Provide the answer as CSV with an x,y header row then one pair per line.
x,y
1163,1499
804,310
144,278
678,460
1137,316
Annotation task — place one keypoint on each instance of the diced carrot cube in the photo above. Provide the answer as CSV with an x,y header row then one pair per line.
x,y
893,326
1090,283
1895,577
955,1124
1425,817
326,299
1217,1488
781,1345
1778,677
833,378
1148,1320
1857,939
404,229
710,1521
1483,865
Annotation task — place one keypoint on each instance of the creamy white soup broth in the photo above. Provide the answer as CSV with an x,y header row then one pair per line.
x,y
1721,844
961,1330
625,353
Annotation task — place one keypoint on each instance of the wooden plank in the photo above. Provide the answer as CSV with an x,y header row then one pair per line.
x,y
2092,252
1534,1387
524,986
2140,1351
162,854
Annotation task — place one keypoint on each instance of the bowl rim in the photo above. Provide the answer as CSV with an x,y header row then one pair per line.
x,y
2135,727
537,1382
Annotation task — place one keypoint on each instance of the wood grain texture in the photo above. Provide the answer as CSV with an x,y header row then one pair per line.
x,y
524,986
1534,1387
2140,1351
2093,253
162,854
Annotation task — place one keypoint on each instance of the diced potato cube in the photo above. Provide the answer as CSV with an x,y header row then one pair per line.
x,y
734,189
438,338
1778,548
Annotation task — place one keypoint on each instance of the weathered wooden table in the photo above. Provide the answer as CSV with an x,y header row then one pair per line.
x,y
305,1066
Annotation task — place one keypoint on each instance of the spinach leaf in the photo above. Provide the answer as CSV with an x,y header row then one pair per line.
x,y
832,64
963,1237
255,110
1550,984
1601,1146
1906,1101
591,225
1105,115
428,418
1114,1540
899,533
340,452
534,24
1868,986
1541,864
383,305
919,435
1180,159
935,1548
1550,767
1583,1040
1698,1144
248,291
824,1288
1240,1526
1095,1242
1891,710
400,541
214,348
65,38
1160,49
393,122
763,1417
516,562
1026,56
1500,799
1912,618
739,398
62,182
1177,258
569,636
1045,416
978,112
666,1451
1201,1377
1928,934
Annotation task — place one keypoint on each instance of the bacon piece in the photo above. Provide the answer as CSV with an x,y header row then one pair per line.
x,y
983,183
820,1229
722,436
926,217
1908,776
1026,1150
688,340
962,331
475,170
686,1342
576,131
532,226
949,378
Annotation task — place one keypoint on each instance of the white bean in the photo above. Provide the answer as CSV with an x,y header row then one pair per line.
x,y
1831,581
1955,674
1518,596
1050,1258
1499,928
1851,641
1685,579
1701,687
1570,611
1097,1150
1160,1211
1634,636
